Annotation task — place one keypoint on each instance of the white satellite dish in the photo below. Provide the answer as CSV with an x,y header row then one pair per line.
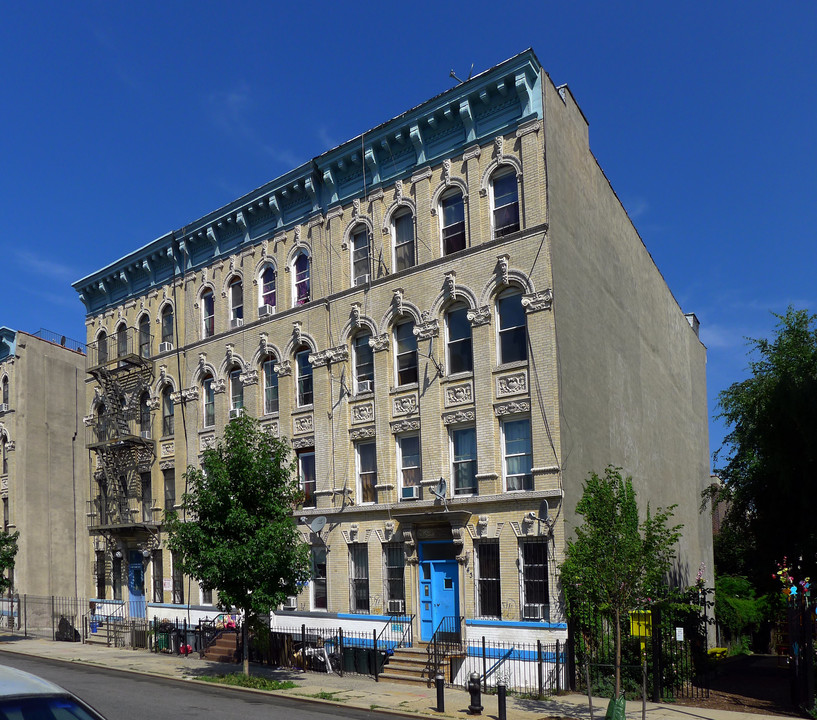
x,y
317,524
439,492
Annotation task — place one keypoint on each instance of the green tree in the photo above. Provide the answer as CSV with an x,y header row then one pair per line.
x,y
615,563
236,534
770,453
737,608
8,551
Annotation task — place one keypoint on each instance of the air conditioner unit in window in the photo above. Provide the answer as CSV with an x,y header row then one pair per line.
x,y
364,386
145,434
235,412
291,603
534,611
165,347
362,279
410,493
4,407
266,311
236,322
397,606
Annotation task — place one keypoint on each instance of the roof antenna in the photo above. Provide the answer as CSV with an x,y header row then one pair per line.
x,y
452,74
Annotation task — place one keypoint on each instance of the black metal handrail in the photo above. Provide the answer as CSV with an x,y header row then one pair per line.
x,y
447,640
391,638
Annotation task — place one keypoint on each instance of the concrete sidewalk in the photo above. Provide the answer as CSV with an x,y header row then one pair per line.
x,y
351,690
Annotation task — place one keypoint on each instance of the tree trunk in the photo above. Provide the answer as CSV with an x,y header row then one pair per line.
x,y
245,645
618,652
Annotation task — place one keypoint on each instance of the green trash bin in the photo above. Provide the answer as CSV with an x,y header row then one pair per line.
x,y
615,709
161,641
362,660
349,659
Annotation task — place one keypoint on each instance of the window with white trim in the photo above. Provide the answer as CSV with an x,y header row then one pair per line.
x,y
157,571
102,348
122,340
303,372
452,213
209,397
167,324
402,228
168,419
4,452
505,202
236,293
517,454
360,255
366,456
306,474
409,461
144,415
144,336
394,562
147,497
169,478
406,353
236,391
319,578
177,579
208,314
359,577
270,387
302,279
363,362
464,460
533,566
513,328
489,598
459,347
5,391
268,288
116,578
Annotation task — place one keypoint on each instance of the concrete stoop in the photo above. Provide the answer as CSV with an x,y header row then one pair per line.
x,y
224,648
408,666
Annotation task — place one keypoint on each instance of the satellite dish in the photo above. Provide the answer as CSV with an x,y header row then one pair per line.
x,y
439,488
544,511
318,524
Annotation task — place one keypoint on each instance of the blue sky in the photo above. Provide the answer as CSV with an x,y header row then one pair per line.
x,y
120,122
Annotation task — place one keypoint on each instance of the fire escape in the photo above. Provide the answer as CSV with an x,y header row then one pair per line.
x,y
121,511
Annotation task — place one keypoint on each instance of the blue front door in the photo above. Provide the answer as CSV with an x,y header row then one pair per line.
x,y
136,585
439,594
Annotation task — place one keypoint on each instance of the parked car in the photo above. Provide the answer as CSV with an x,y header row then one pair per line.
x,y
24,696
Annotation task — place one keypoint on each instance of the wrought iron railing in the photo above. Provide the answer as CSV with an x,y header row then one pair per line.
x,y
447,640
397,633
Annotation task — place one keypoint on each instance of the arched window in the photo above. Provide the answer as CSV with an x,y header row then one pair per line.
x,y
5,391
144,415
4,451
168,419
208,314
167,327
102,348
144,336
209,401
406,356
459,349
513,343
402,228
122,340
236,302
304,376
302,280
452,212
505,202
360,255
270,387
268,295
363,362
236,392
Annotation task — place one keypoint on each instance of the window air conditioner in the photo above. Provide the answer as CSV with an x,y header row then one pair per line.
x,y
362,279
410,493
236,322
145,434
235,412
534,611
397,606
165,347
364,386
291,603
4,407
266,311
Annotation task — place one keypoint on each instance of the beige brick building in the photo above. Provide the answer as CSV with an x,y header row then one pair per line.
x,y
452,319
43,461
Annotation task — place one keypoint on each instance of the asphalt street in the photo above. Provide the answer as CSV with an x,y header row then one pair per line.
x,y
125,696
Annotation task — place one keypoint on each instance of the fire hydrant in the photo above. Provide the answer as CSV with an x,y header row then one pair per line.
x,y
475,708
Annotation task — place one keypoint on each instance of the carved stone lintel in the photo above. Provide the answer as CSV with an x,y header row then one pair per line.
x,y
206,441
168,464
249,376
538,301
363,412
511,408
219,385
283,368
88,420
459,416
175,397
514,384
304,442
405,405
401,426
362,433
271,427
191,393
378,343
528,127
471,153
302,424
462,394
11,445
479,316
427,330
329,356
167,449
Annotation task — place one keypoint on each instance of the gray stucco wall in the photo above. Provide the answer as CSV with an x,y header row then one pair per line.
x,y
632,371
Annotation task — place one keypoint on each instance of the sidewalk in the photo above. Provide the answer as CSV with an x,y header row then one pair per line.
x,y
352,690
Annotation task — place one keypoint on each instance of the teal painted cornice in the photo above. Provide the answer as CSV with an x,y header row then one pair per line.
x,y
8,341
492,103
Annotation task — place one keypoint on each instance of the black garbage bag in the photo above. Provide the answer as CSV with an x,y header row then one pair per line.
x,y
66,632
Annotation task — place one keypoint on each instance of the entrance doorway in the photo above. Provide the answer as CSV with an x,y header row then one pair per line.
x,y
439,586
136,585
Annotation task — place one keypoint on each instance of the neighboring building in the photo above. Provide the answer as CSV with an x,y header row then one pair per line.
x,y
453,320
44,470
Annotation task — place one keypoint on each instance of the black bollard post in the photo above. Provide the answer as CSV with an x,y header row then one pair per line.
x,y
475,708
440,682
500,690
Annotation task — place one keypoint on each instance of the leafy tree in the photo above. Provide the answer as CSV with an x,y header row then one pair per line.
x,y
768,478
236,534
737,608
615,563
8,551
